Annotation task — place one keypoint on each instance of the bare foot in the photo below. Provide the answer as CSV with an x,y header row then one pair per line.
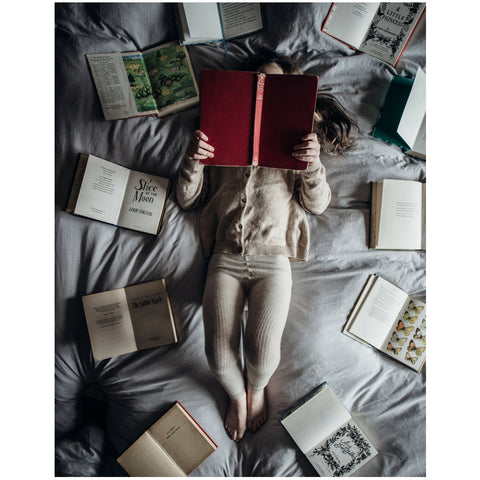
x,y
236,419
257,409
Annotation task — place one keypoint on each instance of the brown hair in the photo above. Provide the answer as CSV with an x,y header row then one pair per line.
x,y
336,127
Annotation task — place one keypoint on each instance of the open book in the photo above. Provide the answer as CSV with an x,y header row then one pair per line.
x,y
397,217
129,319
158,81
256,118
172,447
402,119
204,22
108,192
391,321
379,29
326,433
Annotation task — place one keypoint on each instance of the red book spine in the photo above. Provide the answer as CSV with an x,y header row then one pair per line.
x,y
257,119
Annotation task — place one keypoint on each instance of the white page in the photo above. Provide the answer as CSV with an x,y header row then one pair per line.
x,y
349,21
203,21
113,87
240,18
143,202
109,325
102,190
316,419
401,216
414,112
375,318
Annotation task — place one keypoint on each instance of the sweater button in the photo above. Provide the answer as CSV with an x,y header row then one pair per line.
x,y
243,200
240,226
247,174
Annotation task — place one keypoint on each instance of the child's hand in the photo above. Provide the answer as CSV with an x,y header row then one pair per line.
x,y
198,148
308,150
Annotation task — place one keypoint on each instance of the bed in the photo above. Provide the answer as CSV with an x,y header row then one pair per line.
x,y
102,407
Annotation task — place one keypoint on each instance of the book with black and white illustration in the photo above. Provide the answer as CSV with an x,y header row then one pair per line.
x,y
391,321
201,22
128,319
326,433
105,191
397,215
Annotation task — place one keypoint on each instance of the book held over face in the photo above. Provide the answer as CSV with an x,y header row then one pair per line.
x,y
397,218
326,433
105,191
378,28
256,118
129,319
388,319
402,119
172,447
158,81
201,22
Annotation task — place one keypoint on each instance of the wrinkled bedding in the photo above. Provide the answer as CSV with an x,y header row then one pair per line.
x,y
386,399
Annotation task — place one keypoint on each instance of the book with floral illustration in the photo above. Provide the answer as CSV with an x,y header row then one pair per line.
x,y
326,433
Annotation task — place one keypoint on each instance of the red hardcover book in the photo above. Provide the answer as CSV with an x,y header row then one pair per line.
x,y
255,118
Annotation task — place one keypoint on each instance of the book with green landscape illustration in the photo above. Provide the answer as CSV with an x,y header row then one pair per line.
x,y
158,81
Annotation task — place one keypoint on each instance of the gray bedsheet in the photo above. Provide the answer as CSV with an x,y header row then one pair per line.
x,y
386,398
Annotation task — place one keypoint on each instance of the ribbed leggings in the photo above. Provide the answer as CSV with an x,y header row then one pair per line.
x,y
266,282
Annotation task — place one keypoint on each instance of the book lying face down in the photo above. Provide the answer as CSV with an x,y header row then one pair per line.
x,y
256,118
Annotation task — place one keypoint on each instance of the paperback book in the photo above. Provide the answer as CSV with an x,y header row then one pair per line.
x,y
173,446
128,319
105,191
327,434
158,81
377,28
245,122
397,216
391,321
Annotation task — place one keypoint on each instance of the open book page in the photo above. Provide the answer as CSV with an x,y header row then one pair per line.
x,y
201,20
401,215
348,22
182,438
112,84
343,452
390,30
101,194
315,419
143,202
419,148
151,314
375,316
413,115
407,339
240,18
146,458
109,325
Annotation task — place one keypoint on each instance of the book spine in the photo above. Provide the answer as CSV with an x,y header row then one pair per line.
x,y
257,120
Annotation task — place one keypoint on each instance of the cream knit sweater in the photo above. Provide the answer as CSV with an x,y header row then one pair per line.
x,y
253,210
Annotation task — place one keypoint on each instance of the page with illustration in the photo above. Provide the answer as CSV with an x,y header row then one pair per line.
x,y
240,18
407,340
146,458
182,438
108,323
390,30
113,86
401,215
151,314
143,202
343,452
101,193
375,317
348,22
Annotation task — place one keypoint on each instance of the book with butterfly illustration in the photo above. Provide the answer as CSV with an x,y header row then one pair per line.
x,y
327,434
388,319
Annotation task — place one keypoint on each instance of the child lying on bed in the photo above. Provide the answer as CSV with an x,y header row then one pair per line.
x,y
273,220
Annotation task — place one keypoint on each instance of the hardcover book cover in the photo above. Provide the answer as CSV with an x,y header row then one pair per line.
x,y
256,119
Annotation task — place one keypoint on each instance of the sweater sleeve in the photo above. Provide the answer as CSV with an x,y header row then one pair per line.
x,y
192,184
313,190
